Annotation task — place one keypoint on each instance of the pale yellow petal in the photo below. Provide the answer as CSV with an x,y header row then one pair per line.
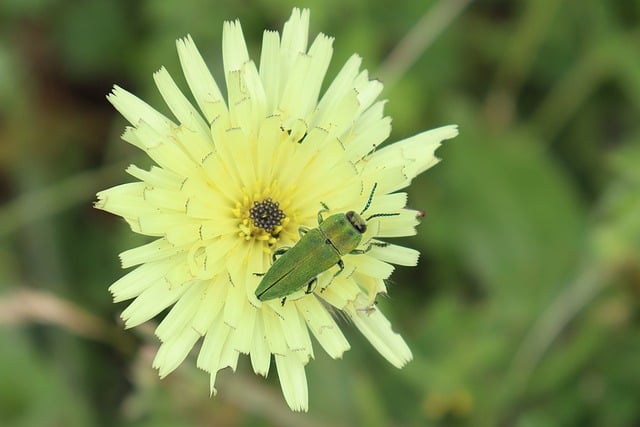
x,y
180,106
395,254
270,69
368,90
172,353
242,336
181,315
202,84
301,90
257,97
372,266
234,48
323,327
135,282
295,35
196,144
416,154
157,177
135,110
229,356
295,332
213,299
183,234
368,139
377,329
341,86
234,306
276,342
211,350
150,302
386,204
162,149
260,354
293,381
370,286
157,250
403,224
339,291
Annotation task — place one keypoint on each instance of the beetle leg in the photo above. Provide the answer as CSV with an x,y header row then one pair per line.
x,y
278,252
368,248
324,209
283,300
340,264
302,231
360,251
311,286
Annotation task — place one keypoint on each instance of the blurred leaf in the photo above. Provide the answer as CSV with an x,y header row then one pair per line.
x,y
94,37
33,391
507,214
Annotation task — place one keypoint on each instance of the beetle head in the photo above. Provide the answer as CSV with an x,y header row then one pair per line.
x,y
357,222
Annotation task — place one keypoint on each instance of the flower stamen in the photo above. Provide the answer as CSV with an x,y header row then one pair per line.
x,y
266,214
262,218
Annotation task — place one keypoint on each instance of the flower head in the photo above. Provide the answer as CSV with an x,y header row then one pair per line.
x,y
236,179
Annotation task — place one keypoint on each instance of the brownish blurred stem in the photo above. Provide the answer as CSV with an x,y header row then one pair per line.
x,y
27,306
564,308
530,32
418,39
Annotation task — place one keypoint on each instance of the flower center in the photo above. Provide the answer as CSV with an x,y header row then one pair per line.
x,y
266,214
263,216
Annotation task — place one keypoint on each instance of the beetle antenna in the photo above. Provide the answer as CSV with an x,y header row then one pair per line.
x,y
382,214
373,190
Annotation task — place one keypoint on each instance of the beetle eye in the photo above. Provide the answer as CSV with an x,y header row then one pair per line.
x,y
357,222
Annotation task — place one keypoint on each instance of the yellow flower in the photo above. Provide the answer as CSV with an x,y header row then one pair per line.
x,y
236,179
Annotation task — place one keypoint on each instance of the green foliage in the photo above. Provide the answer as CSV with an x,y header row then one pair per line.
x,y
524,308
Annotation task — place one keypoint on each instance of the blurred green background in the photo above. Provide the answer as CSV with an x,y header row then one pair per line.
x,y
524,309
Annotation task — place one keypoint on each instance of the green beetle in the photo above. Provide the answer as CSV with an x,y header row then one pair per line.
x,y
317,250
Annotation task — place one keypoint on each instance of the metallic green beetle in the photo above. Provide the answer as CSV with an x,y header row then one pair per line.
x,y
317,250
